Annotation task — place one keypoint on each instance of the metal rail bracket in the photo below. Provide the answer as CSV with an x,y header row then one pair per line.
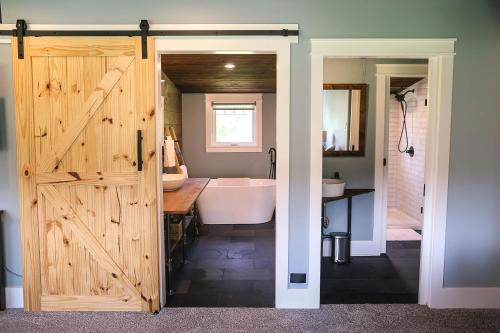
x,y
144,25
20,32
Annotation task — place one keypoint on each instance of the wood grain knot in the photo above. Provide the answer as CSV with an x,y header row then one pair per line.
x,y
109,120
74,175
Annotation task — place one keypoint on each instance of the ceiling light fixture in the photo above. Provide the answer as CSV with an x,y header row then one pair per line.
x,y
229,66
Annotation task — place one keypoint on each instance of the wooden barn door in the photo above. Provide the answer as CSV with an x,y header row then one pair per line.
x,y
88,209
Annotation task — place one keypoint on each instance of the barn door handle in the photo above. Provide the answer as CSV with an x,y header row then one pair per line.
x,y
139,150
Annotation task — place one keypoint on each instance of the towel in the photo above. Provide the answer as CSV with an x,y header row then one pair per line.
x,y
169,159
184,170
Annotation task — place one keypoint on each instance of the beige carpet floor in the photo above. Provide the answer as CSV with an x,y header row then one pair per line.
x,y
330,318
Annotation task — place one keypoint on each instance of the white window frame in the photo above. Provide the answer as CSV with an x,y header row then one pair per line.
x,y
237,147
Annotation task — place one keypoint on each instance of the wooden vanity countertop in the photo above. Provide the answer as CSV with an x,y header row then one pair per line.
x,y
180,201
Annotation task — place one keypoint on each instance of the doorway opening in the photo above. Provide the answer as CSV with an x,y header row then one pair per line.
x,y
220,119
407,127
351,271
270,46
439,54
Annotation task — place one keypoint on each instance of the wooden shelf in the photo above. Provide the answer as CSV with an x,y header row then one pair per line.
x,y
174,243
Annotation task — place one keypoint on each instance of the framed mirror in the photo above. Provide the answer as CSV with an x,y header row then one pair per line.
x,y
344,119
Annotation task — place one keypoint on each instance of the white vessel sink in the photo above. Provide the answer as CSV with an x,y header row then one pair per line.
x,y
333,187
172,181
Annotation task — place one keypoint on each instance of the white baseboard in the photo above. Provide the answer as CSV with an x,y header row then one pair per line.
x,y
14,297
358,248
465,298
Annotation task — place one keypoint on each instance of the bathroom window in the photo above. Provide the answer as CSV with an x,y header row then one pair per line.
x,y
233,122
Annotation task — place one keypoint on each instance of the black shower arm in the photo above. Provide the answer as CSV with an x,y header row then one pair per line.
x,y
401,97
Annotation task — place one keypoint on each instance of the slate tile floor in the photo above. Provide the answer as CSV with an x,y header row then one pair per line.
x,y
391,278
233,266
228,266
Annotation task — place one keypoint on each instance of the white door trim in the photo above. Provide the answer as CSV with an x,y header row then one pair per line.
x,y
284,296
440,53
384,72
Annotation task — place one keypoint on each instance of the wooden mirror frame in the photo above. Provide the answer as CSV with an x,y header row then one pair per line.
x,y
363,87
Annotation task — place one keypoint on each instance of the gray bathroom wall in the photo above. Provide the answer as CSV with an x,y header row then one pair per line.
x,y
473,223
358,172
218,165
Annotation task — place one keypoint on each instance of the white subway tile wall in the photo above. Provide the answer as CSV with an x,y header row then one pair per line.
x,y
406,174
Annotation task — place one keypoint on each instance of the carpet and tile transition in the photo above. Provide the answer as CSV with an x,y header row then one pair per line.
x,y
330,318
227,282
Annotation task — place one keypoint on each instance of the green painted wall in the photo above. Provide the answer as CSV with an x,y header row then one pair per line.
x,y
473,225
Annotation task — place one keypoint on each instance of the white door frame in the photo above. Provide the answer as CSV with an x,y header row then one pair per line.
x,y
281,47
384,73
440,53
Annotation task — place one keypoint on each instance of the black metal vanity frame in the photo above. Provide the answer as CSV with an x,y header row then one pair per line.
x,y
348,194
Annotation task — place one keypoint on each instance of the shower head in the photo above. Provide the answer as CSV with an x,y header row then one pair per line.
x,y
401,97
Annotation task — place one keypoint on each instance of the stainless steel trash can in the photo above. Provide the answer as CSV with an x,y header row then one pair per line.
x,y
341,247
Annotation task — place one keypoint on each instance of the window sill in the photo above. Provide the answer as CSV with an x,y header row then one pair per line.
x,y
232,149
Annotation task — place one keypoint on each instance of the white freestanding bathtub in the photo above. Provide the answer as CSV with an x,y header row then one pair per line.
x,y
237,201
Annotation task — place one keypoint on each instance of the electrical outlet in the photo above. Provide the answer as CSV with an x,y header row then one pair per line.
x,y
297,277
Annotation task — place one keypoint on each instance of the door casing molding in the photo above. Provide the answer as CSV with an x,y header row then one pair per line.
x,y
284,297
440,54
384,73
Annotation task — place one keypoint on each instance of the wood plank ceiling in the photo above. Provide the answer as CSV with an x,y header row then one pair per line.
x,y
205,73
399,84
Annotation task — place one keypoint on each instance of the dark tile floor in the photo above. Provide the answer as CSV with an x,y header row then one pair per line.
x,y
233,266
228,266
390,278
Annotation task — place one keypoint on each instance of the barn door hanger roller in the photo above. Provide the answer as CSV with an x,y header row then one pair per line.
x,y
21,31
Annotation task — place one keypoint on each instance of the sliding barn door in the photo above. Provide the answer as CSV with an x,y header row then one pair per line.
x,y
88,207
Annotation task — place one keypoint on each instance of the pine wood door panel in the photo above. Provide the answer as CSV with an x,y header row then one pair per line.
x,y
62,227
63,136
88,215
